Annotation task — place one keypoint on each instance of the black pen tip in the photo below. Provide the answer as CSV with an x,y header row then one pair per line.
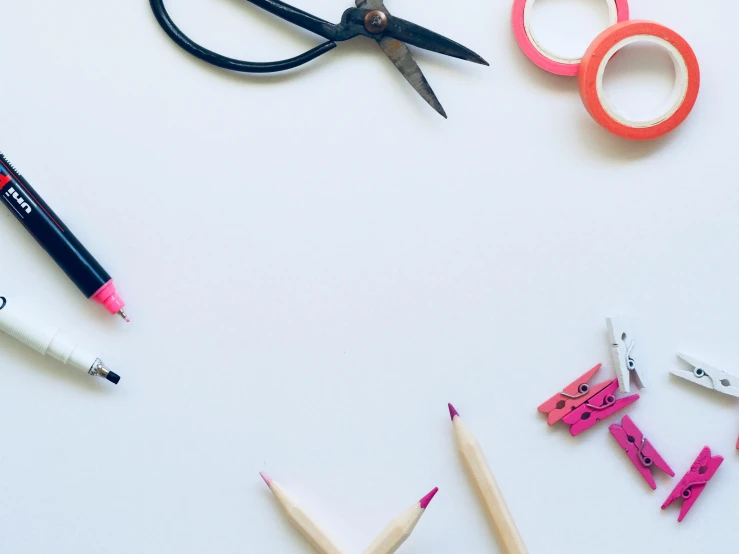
x,y
113,377
480,60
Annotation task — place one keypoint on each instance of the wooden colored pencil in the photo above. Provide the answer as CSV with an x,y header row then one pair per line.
x,y
398,531
486,487
300,519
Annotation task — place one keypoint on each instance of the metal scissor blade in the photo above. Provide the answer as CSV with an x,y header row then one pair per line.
x,y
401,56
428,40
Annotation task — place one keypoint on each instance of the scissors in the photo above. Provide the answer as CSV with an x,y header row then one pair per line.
x,y
369,19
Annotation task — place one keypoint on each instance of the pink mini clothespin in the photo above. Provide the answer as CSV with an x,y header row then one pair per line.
x,y
695,480
597,408
639,450
572,396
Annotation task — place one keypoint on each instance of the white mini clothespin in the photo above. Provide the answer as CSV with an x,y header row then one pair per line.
x,y
708,376
622,344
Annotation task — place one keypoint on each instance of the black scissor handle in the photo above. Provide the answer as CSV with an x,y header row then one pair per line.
x,y
216,59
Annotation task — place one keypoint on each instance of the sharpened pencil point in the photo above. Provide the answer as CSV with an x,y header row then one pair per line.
x,y
453,412
267,478
426,500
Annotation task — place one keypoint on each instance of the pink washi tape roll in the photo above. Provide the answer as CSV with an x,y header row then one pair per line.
x,y
618,10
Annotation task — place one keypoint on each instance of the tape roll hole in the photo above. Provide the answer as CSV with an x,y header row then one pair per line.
x,y
645,84
561,30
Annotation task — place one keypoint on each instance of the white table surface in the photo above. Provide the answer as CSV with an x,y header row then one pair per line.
x,y
316,263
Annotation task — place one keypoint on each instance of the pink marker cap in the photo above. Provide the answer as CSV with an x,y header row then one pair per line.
x,y
108,297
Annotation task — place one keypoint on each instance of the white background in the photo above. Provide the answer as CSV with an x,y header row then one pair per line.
x,y
316,263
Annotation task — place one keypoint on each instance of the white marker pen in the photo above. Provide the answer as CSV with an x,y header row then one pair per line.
x,y
49,341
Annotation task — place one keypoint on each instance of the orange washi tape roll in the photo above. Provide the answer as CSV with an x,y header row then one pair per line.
x,y
605,46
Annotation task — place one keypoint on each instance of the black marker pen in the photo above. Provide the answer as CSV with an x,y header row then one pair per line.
x,y
51,233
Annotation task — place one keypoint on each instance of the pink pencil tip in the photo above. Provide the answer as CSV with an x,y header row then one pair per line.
x,y
267,478
453,412
426,500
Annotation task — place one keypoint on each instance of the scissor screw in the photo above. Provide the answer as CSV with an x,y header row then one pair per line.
x,y
375,21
